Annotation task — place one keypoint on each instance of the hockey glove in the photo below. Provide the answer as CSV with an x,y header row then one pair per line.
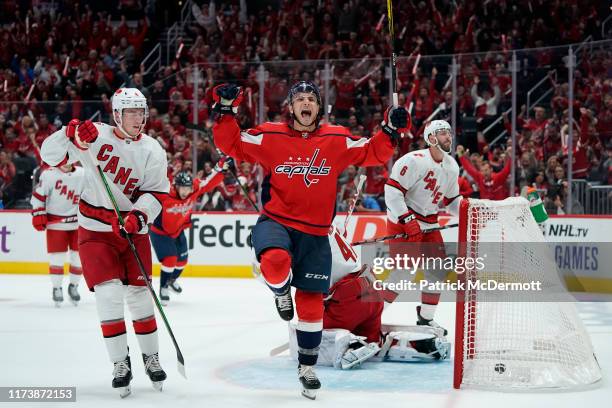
x,y
227,98
224,164
132,224
396,122
410,224
39,219
81,133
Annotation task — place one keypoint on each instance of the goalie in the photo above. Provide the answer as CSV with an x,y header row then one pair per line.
x,y
352,329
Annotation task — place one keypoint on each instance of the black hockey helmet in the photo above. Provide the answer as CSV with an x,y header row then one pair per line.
x,y
306,87
183,179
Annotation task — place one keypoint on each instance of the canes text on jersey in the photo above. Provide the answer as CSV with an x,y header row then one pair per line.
x,y
121,173
63,190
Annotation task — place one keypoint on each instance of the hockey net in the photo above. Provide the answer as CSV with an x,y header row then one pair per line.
x,y
504,344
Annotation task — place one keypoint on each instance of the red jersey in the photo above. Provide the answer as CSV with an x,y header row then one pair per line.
x,y
175,215
301,169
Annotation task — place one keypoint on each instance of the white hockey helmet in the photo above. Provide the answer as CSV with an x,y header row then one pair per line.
x,y
125,98
433,128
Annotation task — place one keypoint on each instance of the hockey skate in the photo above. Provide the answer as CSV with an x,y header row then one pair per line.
x,y
58,296
284,305
164,295
176,288
421,321
122,376
73,293
154,370
309,380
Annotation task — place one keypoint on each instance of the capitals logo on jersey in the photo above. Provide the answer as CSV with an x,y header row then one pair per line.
x,y
183,209
307,168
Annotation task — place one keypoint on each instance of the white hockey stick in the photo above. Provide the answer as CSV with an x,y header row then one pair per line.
x,y
279,349
362,179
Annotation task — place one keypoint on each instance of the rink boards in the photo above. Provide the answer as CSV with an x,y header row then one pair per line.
x,y
218,245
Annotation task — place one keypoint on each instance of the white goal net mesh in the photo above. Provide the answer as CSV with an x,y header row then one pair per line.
x,y
510,344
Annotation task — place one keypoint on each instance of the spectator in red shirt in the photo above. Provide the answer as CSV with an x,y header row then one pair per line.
x,y
7,170
491,185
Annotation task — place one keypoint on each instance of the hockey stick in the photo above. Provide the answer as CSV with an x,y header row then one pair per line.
x,y
242,188
393,55
362,179
279,349
109,193
402,235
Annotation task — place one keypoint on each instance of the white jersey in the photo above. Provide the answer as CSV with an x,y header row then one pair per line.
x,y
58,194
421,184
345,259
136,171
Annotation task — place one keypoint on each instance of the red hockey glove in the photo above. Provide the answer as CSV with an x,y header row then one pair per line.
x,y
39,219
227,98
410,224
224,164
133,223
81,133
396,122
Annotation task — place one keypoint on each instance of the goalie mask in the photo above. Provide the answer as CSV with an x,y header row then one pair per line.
x,y
433,130
305,87
125,98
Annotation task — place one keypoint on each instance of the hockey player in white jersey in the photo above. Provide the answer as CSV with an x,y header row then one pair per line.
x,y
54,208
135,167
420,182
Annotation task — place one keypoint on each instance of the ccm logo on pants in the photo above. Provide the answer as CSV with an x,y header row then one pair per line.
x,y
316,276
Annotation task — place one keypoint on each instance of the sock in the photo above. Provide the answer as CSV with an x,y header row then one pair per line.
x,y
75,274
167,270
164,278
143,319
309,329
429,302
56,268
57,275
109,302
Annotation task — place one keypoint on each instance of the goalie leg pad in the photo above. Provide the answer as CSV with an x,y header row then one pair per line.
x,y
414,346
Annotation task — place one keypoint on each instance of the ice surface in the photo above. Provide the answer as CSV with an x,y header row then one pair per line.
x,y
226,328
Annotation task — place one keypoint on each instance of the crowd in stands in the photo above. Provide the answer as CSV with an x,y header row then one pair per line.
x,y
53,62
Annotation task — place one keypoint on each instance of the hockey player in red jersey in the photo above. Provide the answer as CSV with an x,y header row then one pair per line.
x,y
302,161
352,328
54,208
167,232
135,167
420,181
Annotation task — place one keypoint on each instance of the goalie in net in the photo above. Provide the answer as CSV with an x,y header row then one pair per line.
x,y
353,332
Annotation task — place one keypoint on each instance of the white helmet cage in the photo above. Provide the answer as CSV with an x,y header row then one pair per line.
x,y
125,98
433,128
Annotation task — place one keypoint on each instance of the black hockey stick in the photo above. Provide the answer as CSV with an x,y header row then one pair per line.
x,y
109,193
393,55
242,188
402,235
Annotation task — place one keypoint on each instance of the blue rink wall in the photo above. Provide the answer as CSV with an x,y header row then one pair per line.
x,y
218,245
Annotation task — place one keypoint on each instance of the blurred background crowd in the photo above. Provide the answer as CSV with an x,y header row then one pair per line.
x,y
63,59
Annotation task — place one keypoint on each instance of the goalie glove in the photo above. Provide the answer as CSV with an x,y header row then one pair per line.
x,y
227,98
396,122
